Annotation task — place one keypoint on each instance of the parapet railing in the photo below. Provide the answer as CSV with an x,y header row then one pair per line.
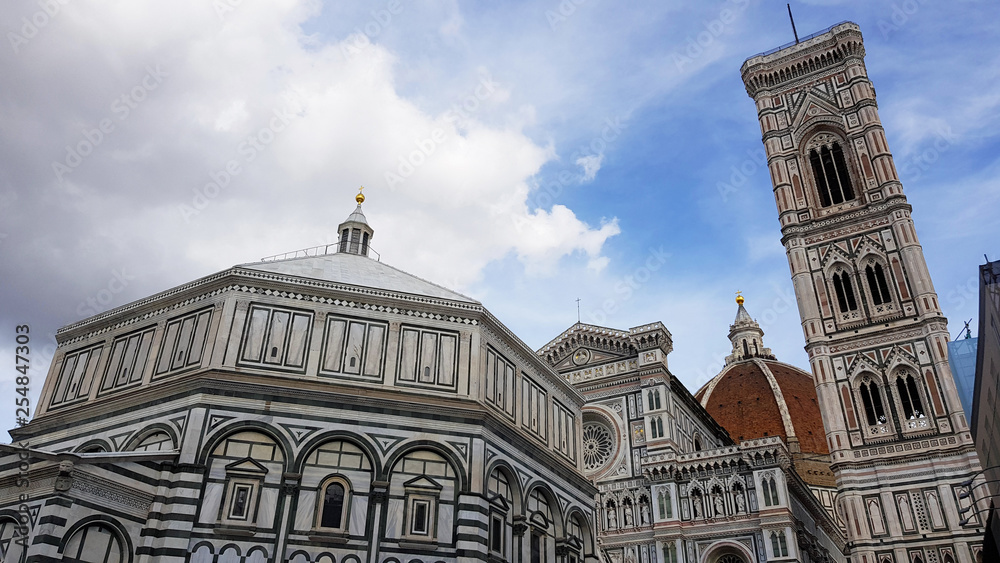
x,y
322,250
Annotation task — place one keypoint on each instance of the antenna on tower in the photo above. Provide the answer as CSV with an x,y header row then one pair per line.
x,y
793,23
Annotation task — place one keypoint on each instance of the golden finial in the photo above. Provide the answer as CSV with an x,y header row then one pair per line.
x,y
739,298
360,198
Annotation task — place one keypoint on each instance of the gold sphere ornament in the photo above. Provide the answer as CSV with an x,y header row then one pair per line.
x,y
360,198
739,297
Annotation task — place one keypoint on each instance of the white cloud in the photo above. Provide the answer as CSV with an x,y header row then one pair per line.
x,y
591,164
223,103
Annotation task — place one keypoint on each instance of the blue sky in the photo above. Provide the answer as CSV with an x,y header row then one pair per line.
x,y
567,149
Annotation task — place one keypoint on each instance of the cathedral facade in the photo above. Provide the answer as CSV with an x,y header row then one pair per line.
x,y
674,486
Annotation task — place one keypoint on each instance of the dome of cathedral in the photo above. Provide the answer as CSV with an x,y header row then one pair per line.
x,y
756,396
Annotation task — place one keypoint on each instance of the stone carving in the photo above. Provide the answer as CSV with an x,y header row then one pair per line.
x,y
112,495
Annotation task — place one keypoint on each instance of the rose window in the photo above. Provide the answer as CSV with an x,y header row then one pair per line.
x,y
598,445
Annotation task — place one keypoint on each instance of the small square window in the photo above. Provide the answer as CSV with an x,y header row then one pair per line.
x,y
239,508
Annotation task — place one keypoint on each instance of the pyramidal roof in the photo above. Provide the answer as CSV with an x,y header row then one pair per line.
x,y
351,265
362,271
742,316
357,216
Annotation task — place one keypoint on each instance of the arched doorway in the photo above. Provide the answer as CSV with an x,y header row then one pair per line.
x,y
727,552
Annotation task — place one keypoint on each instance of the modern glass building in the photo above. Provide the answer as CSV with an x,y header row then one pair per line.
x,y
962,358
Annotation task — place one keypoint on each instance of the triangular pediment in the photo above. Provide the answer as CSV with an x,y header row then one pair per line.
x,y
500,502
582,357
584,345
422,482
245,465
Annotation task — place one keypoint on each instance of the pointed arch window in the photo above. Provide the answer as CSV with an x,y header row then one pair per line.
x,y
653,398
871,399
908,395
656,427
770,490
833,182
845,292
664,504
670,552
746,349
779,545
877,284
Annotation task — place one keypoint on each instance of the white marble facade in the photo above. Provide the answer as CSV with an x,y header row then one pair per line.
x,y
323,408
673,486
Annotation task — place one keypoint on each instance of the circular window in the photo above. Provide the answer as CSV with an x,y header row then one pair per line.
x,y
598,445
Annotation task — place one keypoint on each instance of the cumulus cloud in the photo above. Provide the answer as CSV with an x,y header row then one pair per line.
x,y
254,142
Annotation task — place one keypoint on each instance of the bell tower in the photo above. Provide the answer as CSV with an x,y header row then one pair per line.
x,y
876,338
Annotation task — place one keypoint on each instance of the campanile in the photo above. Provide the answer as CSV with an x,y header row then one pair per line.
x,y
875,334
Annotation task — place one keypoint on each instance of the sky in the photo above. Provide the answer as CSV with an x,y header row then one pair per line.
x,y
527,154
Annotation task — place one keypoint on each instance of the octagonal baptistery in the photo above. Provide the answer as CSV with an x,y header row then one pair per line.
x,y
756,396
320,407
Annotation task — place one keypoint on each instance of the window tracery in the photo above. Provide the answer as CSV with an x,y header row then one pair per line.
x,y
830,172
598,445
